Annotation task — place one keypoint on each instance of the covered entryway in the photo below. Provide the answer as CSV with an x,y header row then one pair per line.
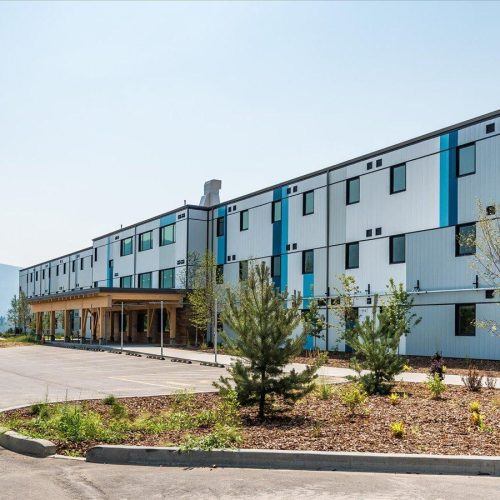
x,y
104,311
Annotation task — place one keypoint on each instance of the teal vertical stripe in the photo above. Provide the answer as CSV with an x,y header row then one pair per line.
x,y
448,185
221,240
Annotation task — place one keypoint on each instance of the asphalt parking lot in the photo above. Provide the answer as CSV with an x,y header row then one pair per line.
x,y
35,373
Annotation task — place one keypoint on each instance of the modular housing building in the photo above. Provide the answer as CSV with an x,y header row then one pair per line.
x,y
394,213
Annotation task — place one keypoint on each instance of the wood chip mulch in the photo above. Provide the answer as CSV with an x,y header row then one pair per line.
x,y
432,426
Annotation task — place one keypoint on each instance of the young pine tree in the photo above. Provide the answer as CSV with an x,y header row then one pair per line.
x,y
263,329
376,340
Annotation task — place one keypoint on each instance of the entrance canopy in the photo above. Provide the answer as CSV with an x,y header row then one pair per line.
x,y
104,305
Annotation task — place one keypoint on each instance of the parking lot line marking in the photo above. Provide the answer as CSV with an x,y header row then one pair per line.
x,y
173,385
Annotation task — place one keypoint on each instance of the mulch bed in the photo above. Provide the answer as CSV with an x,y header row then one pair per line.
x,y
436,427
419,364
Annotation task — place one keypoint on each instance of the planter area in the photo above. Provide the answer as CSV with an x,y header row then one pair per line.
x,y
410,422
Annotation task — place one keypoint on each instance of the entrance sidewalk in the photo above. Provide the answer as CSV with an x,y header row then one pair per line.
x,y
326,371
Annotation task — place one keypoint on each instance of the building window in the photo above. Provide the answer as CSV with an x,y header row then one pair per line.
x,y
465,237
110,263
64,268
36,276
243,270
125,282
465,316
307,261
308,203
352,255
145,241
95,254
126,246
243,220
72,266
276,214
276,266
167,278
398,179
145,280
57,270
43,274
466,160
352,191
81,264
397,253
167,235
219,274
31,277
220,226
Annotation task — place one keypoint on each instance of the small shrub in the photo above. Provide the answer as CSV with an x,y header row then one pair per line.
x,y
40,410
436,386
183,400
353,398
437,366
324,390
222,437
398,429
316,430
473,381
490,382
406,368
109,400
118,410
475,407
393,399
203,346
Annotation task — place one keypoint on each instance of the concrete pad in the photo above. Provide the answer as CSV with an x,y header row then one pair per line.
x,y
37,373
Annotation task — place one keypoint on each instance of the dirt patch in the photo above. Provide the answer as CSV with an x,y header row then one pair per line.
x,y
431,426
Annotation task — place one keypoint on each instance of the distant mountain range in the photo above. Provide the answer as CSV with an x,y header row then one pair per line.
x,y
9,286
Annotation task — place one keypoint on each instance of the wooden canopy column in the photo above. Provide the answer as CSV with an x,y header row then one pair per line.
x,y
172,322
52,325
67,329
38,325
151,317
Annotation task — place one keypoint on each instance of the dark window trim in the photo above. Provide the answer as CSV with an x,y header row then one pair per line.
x,y
304,204
347,245
160,276
391,249
139,279
457,322
457,159
304,253
161,233
141,249
273,266
125,277
274,203
220,224
122,245
457,242
241,220
394,167
348,190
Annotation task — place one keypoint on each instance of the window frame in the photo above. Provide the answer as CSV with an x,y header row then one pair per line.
x,y
348,190
347,246
304,202
457,320
162,233
219,231
391,249
304,261
123,242
141,243
139,277
457,159
457,239
275,204
274,267
242,265
161,275
244,213
393,168
122,278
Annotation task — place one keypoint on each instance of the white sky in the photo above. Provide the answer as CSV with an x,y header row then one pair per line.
x,y
111,113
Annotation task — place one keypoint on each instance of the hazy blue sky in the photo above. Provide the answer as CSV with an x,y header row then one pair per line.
x,y
115,112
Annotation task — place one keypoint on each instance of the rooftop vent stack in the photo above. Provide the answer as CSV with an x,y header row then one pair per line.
x,y
211,193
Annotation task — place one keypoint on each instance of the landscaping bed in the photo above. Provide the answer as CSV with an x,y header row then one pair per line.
x,y
16,340
418,364
442,426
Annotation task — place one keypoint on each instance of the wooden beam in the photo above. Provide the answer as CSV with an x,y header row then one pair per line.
x,y
70,304
52,325
83,326
67,330
151,317
172,319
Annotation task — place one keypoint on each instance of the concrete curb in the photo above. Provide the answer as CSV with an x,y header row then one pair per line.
x,y
297,460
25,445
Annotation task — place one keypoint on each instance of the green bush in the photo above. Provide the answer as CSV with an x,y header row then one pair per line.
x,y
40,410
398,429
436,386
223,436
353,398
323,390
118,410
109,400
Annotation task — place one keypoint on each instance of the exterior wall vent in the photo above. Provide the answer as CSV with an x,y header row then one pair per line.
x,y
378,231
379,162
211,193
490,128
369,233
369,165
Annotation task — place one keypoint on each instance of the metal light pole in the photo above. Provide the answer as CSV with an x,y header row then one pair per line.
x,y
121,331
161,329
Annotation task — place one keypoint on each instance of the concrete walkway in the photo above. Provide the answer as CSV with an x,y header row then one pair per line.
x,y
326,371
